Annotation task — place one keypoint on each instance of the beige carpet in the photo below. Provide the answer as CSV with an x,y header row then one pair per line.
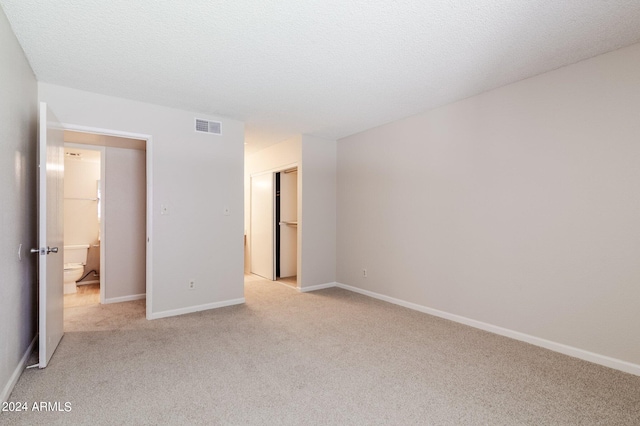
x,y
329,357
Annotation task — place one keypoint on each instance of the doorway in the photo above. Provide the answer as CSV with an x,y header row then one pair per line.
x,y
83,213
286,226
117,257
273,225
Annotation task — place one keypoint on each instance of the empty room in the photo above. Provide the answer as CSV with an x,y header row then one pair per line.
x,y
359,212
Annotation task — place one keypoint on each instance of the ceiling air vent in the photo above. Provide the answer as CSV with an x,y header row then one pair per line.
x,y
206,126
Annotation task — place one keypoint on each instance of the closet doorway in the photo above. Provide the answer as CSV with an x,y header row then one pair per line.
x,y
274,225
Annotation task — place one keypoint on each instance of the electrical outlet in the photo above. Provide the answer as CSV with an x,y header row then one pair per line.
x,y
192,285
364,273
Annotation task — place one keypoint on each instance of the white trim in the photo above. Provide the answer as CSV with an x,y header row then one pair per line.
x,y
106,132
149,245
198,308
125,298
8,388
103,224
275,169
607,361
316,287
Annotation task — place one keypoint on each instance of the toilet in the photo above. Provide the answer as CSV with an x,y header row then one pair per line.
x,y
75,257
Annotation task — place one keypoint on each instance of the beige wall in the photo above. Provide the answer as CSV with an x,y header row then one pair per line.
x,y
318,224
18,134
125,223
517,207
81,225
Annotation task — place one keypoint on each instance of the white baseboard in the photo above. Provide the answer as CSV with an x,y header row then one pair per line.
x,y
8,388
607,361
198,308
316,287
125,298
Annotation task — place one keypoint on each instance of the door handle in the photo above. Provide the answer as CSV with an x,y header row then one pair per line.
x,y
44,251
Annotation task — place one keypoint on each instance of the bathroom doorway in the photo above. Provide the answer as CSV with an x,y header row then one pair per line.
x,y
116,258
82,222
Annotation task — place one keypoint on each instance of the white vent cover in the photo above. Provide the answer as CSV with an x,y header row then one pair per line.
x,y
206,126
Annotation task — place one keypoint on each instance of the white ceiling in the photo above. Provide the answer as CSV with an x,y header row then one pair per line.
x,y
327,68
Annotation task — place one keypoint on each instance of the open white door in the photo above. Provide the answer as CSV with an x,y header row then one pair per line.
x,y
50,234
262,221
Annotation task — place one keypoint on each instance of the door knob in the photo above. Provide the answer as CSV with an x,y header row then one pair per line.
x,y
45,251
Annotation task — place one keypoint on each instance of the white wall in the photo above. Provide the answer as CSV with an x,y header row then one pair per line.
x,y
125,223
18,134
517,207
196,175
81,225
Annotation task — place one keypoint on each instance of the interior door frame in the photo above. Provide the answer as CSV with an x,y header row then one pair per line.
x,y
278,227
149,202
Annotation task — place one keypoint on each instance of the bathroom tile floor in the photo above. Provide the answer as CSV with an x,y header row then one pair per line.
x,y
88,294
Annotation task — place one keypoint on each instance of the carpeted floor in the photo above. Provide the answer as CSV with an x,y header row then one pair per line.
x,y
328,357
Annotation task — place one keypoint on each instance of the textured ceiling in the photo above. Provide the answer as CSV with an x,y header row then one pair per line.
x,y
327,68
